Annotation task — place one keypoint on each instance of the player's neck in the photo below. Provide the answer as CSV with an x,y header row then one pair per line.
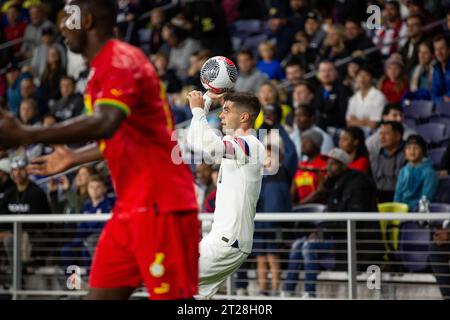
x,y
95,45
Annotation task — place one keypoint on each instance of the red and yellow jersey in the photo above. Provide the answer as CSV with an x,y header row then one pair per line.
x,y
139,154
306,178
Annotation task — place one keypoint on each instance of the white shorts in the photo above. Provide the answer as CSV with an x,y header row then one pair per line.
x,y
217,262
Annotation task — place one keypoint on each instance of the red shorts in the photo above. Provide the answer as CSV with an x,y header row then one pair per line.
x,y
160,250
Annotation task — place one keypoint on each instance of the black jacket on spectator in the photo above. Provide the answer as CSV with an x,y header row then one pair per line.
x,y
68,108
412,60
4,188
354,191
373,59
332,107
172,82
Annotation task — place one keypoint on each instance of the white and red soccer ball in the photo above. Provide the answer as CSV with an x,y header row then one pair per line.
x,y
218,74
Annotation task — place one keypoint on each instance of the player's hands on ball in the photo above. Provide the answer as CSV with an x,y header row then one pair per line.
x,y
12,133
196,100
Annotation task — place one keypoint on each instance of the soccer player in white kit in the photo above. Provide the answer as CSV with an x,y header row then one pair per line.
x,y
241,155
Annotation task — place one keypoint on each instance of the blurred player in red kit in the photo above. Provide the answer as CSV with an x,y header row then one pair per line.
x,y
152,237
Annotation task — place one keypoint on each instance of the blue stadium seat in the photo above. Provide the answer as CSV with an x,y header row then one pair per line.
x,y
419,109
433,133
413,244
443,194
443,109
436,155
247,27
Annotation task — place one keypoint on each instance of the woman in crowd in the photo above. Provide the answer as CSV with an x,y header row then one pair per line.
x,y
351,141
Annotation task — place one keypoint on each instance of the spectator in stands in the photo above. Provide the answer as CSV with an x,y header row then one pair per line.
x,y
29,112
50,81
40,54
26,198
410,51
250,79
353,68
204,183
157,18
294,74
70,104
272,125
357,42
439,258
422,74
393,83
386,164
417,178
196,62
209,205
310,172
391,112
366,105
28,90
333,48
15,27
33,31
281,32
313,29
72,199
168,76
304,121
5,180
391,36
87,233
440,90
352,142
302,94
13,78
299,10
274,197
302,52
331,98
268,94
181,49
345,191
126,15
268,64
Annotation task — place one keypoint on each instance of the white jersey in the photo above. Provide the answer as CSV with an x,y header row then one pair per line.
x,y
239,181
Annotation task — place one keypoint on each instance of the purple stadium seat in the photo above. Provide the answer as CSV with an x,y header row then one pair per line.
x,y
311,208
445,121
443,109
436,155
411,123
253,42
419,109
443,194
436,207
435,133
247,27
413,242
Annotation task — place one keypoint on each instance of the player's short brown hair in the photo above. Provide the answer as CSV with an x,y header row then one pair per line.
x,y
246,101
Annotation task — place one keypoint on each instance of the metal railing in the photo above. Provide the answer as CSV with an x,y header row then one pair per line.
x,y
350,274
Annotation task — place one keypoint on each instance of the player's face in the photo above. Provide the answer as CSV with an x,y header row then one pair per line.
x,y
75,38
230,117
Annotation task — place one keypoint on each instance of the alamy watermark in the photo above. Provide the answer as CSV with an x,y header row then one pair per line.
x,y
73,19
73,281
374,20
374,279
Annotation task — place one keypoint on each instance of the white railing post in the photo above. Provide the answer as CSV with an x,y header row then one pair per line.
x,y
351,259
17,261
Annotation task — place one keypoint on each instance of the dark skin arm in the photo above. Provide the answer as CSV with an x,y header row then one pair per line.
x,y
101,125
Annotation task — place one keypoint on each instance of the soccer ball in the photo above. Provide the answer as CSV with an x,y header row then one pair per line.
x,y
218,74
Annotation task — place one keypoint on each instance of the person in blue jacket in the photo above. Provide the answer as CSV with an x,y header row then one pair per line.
x,y
418,177
440,88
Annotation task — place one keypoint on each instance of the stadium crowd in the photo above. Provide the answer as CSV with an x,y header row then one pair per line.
x,y
375,100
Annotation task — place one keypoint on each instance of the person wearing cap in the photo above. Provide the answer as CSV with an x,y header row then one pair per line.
x,y
386,163
281,32
314,30
418,177
366,105
5,179
344,190
311,171
394,83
